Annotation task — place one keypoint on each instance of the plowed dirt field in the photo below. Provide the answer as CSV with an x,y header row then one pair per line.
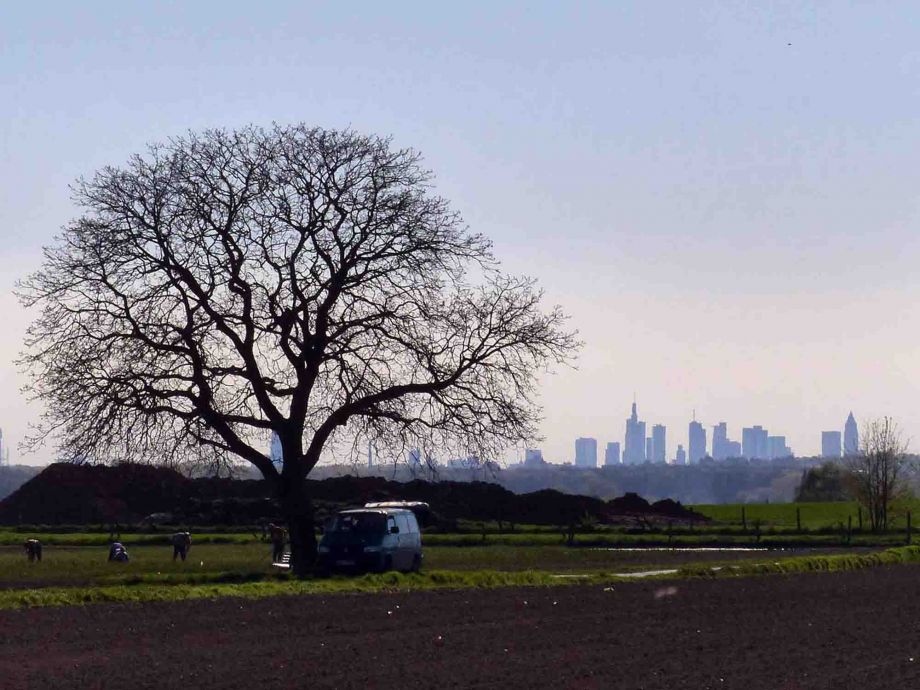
x,y
845,630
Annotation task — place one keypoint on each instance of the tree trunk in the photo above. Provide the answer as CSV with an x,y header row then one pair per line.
x,y
297,509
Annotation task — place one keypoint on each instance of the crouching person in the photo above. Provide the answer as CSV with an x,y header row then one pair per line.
x,y
276,534
33,549
118,553
182,542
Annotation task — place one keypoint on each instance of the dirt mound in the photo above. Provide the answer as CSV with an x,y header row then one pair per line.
x,y
629,503
128,493
674,509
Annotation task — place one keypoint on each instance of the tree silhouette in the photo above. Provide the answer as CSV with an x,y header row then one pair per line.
x,y
878,475
306,282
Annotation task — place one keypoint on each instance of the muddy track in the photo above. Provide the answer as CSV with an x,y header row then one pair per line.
x,y
844,630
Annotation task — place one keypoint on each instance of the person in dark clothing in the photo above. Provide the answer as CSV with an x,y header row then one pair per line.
x,y
33,549
276,534
118,553
182,543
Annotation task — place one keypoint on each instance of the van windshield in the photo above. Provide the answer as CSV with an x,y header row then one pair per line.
x,y
364,524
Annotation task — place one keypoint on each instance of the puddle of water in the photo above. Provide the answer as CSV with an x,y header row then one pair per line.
x,y
691,549
648,573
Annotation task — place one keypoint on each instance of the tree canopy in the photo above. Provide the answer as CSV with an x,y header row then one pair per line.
x,y
226,285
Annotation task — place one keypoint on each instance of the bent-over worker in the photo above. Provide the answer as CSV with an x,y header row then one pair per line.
x,y
182,542
33,549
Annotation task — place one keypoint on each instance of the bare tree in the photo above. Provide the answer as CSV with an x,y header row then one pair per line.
x,y
878,475
231,284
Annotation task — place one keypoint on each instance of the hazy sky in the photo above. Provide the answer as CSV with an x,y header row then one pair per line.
x,y
723,195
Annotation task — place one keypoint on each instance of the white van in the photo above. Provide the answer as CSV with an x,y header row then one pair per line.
x,y
376,539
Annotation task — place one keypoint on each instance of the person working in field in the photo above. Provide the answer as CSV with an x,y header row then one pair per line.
x,y
182,542
33,549
276,534
118,553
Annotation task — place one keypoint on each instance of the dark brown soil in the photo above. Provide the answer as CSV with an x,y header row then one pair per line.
x,y
844,630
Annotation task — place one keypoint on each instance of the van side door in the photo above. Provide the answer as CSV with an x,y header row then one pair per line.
x,y
406,551
391,542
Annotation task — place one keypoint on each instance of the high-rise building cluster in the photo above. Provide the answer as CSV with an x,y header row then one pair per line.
x,y
756,444
638,447
834,444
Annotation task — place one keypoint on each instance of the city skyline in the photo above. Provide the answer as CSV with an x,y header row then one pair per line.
x,y
757,443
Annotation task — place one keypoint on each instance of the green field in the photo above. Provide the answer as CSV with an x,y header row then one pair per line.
x,y
222,562
80,566
814,516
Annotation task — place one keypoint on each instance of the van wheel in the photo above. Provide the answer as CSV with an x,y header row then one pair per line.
x,y
416,563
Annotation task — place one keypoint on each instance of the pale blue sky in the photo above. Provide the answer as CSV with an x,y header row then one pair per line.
x,y
722,194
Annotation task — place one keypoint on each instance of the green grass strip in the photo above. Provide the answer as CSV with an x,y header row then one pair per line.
x,y
385,582
809,564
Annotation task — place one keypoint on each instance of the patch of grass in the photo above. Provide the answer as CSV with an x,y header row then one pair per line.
x,y
84,566
814,516
807,564
385,582
16,538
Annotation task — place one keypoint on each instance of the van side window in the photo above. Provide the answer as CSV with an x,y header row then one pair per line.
x,y
403,523
413,524
391,523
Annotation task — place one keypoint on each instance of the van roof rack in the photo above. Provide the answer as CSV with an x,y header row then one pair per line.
x,y
398,504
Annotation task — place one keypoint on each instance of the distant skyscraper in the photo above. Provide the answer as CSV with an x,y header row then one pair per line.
x,y
850,437
720,441
681,458
659,445
612,453
734,449
634,450
533,457
586,452
721,445
754,443
697,444
830,444
777,448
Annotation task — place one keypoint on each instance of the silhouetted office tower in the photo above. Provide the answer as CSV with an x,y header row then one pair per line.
x,y
586,452
754,443
830,444
649,450
612,453
850,437
681,458
533,457
733,449
697,442
634,449
659,445
720,441
777,448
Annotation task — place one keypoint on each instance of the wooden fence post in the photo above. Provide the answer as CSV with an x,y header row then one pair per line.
x,y
743,519
849,528
798,519
859,508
